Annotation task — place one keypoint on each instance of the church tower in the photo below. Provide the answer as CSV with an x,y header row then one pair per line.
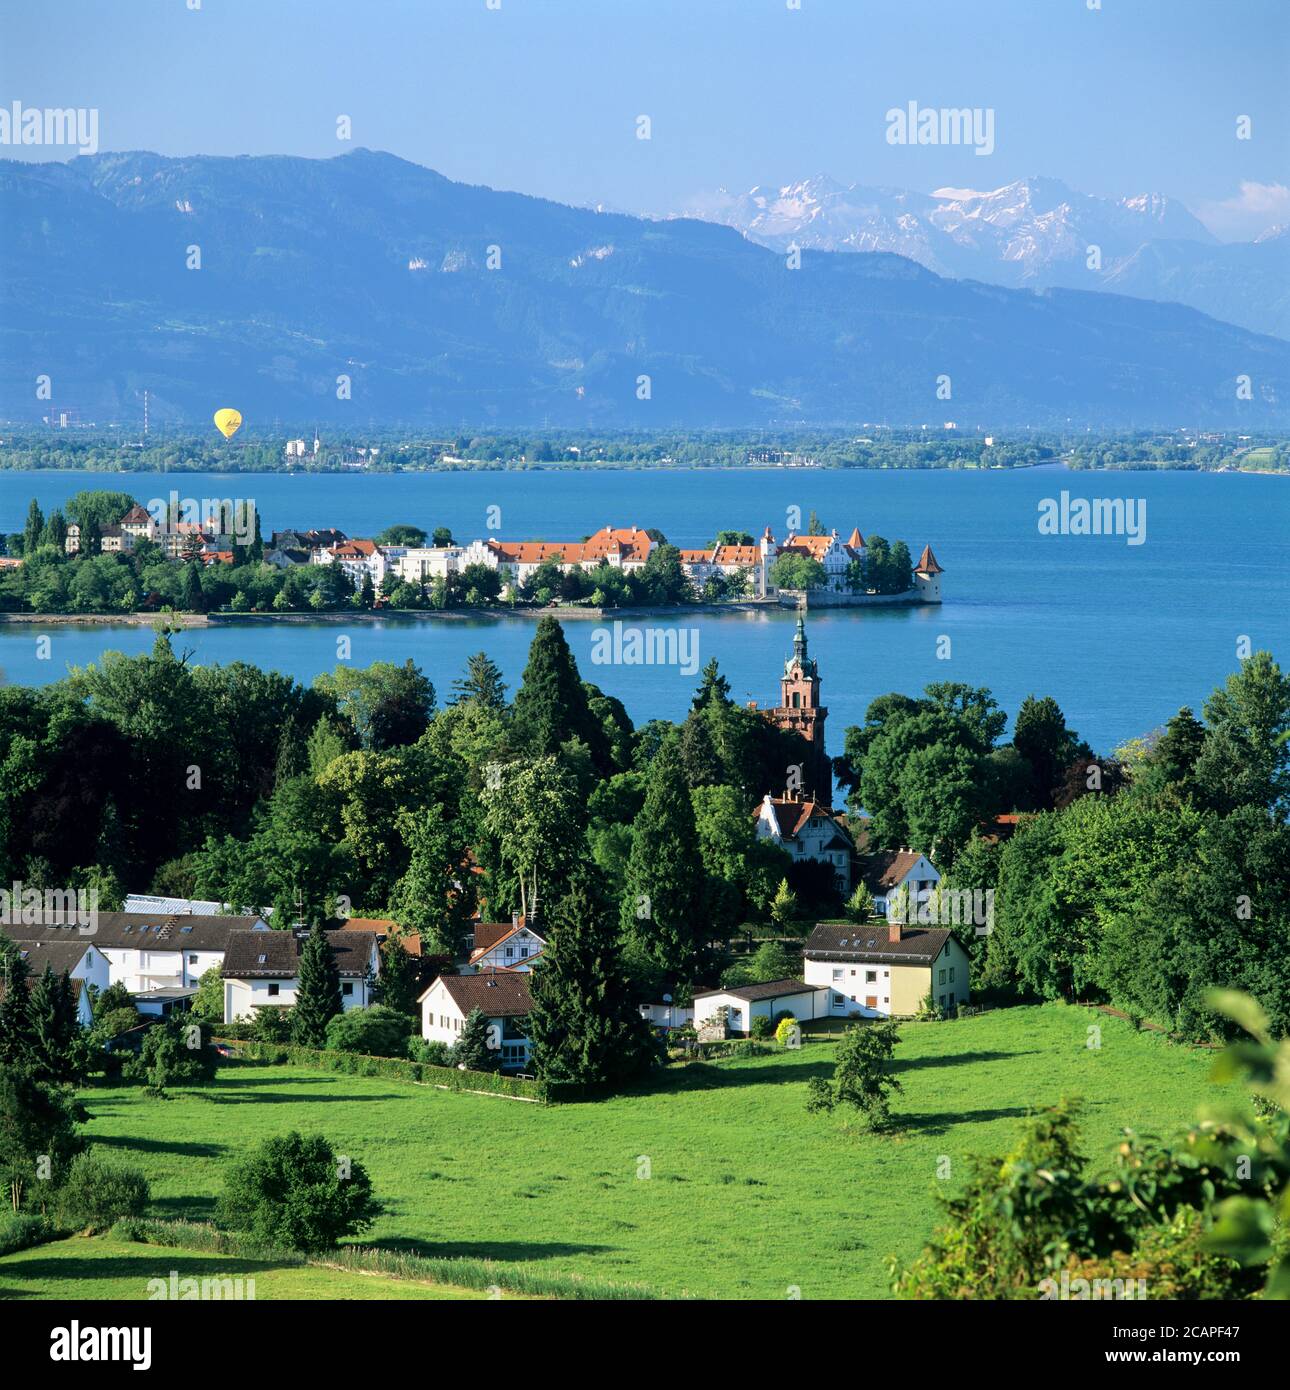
x,y
800,712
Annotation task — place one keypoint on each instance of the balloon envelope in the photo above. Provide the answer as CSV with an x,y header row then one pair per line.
x,y
228,422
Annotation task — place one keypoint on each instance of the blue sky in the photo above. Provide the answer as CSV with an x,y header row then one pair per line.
x,y
543,95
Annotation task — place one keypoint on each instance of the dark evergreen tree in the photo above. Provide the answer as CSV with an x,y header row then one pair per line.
x,y
34,528
585,1026
1173,760
54,1028
15,1007
482,684
1041,737
318,997
190,596
663,910
699,752
255,552
400,981
551,704
713,687
471,1050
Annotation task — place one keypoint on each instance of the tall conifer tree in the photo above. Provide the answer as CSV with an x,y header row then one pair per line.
x,y
662,912
318,997
584,1024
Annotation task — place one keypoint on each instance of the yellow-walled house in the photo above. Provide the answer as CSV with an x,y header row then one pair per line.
x,y
884,969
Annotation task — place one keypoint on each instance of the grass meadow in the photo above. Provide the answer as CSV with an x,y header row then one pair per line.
x,y
714,1182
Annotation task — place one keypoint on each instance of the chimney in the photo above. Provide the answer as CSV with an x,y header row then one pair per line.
x,y
893,932
515,919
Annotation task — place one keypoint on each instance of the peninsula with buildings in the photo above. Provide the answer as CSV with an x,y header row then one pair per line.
x,y
109,554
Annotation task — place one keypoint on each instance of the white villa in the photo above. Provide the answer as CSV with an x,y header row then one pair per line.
x,y
502,996
808,829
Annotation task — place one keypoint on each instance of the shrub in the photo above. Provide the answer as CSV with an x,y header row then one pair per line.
x,y
115,1022
175,1052
96,1194
273,1025
436,1053
788,1028
295,1191
761,1027
21,1230
378,1031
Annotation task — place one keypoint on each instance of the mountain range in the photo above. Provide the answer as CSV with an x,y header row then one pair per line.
x,y
1035,233
364,288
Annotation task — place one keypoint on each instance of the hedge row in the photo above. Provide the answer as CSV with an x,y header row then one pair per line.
x,y
394,1264
21,1230
389,1068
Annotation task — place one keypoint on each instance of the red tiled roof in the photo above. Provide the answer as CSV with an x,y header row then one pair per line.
x,y
927,562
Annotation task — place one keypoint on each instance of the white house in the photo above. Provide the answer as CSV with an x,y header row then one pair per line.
x,y
512,945
743,1003
146,952
808,830
80,960
885,970
502,996
262,969
889,871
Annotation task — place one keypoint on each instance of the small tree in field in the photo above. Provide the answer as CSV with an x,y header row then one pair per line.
x,y
861,1077
175,1052
37,1122
96,1194
298,1192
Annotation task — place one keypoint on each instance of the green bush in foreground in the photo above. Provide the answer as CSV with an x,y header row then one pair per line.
x,y
298,1192
97,1194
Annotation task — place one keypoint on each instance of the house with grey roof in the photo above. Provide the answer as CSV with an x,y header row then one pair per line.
x,y
744,1003
885,969
262,969
80,960
146,952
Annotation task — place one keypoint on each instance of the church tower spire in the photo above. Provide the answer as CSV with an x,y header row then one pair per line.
x,y
801,712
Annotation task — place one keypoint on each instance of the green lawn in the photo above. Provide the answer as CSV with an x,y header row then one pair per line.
x,y
104,1268
746,1196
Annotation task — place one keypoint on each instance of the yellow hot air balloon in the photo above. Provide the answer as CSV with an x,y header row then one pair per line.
x,y
228,422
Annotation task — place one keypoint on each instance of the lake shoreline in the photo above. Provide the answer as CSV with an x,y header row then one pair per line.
x,y
214,620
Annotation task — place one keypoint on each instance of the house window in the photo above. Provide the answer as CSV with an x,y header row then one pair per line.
x,y
951,974
347,989
941,980
510,951
870,976
273,991
837,974
192,960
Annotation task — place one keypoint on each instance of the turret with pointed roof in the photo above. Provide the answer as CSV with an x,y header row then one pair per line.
x,y
927,563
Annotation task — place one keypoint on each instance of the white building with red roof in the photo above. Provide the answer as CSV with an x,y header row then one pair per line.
x,y
808,829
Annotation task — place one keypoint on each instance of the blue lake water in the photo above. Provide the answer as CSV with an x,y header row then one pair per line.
x,y
1121,635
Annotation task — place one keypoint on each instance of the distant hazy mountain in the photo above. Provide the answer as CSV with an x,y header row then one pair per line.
x,y
1036,232
371,270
